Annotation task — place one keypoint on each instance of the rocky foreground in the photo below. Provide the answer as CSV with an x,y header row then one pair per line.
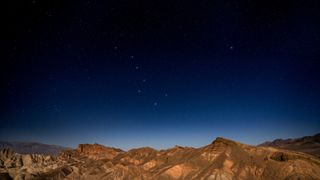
x,y
223,159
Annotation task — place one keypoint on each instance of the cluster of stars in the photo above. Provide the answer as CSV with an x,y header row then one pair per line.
x,y
138,67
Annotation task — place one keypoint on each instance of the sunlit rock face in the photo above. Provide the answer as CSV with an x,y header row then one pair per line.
x,y
223,159
97,151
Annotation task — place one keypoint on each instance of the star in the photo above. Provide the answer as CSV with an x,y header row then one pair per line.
x,y
166,95
144,80
139,91
231,47
137,67
155,104
131,57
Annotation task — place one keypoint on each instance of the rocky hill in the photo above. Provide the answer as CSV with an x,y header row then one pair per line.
x,y
222,159
31,148
307,144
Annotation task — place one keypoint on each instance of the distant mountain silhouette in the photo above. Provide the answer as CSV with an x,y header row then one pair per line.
x,y
307,144
31,148
223,159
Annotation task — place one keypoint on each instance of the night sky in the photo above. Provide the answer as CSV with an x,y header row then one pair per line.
x,y
158,73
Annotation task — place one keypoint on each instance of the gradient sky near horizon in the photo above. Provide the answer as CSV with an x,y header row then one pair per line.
x,y
158,73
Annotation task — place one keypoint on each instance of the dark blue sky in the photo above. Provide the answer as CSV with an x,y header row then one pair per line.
x,y
155,73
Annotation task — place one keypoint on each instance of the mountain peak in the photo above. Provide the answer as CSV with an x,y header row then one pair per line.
x,y
222,140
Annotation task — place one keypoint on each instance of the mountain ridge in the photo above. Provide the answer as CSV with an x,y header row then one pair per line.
x,y
32,147
306,144
221,159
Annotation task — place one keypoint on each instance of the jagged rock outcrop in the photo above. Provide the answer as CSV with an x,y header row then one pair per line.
x,y
223,159
97,151
24,166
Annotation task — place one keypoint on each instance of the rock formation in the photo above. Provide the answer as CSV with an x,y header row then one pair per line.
x,y
97,151
24,166
223,159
